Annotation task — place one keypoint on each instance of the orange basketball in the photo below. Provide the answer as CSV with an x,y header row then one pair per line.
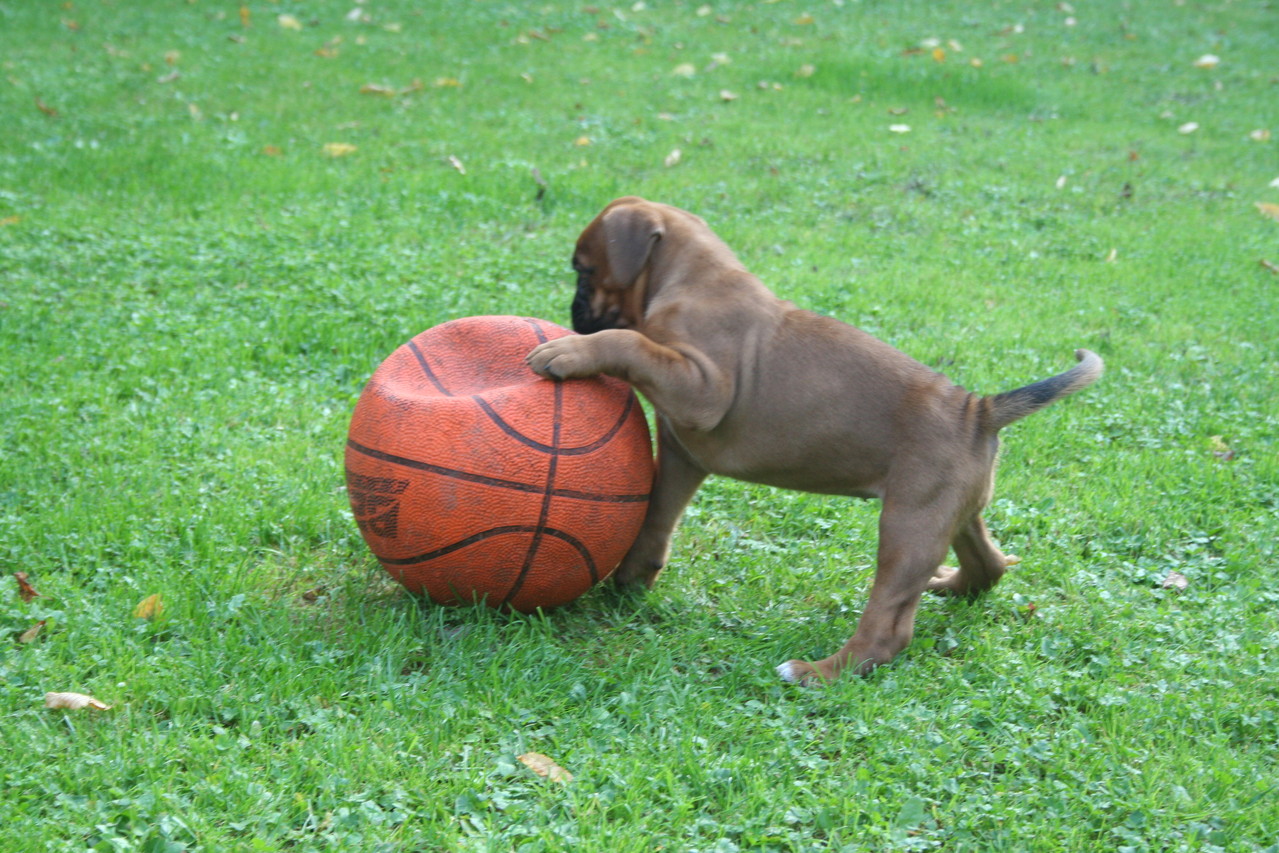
x,y
473,479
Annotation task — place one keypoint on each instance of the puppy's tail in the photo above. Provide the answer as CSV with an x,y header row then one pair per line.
x,y
1015,405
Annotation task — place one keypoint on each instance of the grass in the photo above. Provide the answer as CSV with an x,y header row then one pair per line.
x,y
192,295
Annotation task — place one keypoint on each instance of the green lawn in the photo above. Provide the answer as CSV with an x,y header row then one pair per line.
x,y
217,219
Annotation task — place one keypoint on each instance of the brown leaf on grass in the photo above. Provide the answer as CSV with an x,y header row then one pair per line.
x,y
1269,209
46,109
73,702
150,607
25,590
1220,449
1175,580
377,89
32,632
1269,265
545,767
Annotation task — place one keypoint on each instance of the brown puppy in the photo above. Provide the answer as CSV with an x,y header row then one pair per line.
x,y
749,386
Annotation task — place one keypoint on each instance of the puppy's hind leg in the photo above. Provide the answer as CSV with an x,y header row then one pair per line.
x,y
981,563
912,542
674,484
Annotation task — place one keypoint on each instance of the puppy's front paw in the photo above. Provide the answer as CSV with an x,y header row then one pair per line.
x,y
563,358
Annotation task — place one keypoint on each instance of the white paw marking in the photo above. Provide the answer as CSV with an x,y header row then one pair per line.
x,y
790,671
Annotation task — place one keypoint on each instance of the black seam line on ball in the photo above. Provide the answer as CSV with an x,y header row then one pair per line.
x,y
572,541
496,482
426,369
580,450
536,542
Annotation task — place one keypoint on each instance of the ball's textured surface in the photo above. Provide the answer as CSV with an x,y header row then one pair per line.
x,y
473,479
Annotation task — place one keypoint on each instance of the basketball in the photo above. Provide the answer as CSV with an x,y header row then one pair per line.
x,y
473,480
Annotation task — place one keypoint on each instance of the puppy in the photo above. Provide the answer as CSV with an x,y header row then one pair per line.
x,y
749,386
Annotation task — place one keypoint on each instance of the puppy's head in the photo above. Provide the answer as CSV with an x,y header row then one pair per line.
x,y
611,260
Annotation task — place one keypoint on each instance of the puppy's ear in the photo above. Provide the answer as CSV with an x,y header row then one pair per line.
x,y
630,233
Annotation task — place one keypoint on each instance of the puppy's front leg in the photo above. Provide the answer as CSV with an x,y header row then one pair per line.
x,y
674,483
681,382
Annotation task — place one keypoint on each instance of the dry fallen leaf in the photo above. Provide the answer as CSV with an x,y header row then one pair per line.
x,y
806,70
376,89
726,95
150,607
672,159
684,69
582,141
1269,265
32,632
1188,127
271,150
338,149
25,590
245,17
1261,134
1207,61
805,19
546,767
46,109
73,701
1268,209
9,220
457,164
1220,449
289,22
1110,256
1175,580
899,128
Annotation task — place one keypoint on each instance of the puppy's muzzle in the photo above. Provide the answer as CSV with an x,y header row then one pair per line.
x,y
585,320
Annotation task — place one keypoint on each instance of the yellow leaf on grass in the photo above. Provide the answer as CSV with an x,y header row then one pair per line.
x,y
545,767
9,220
246,17
1269,209
1207,61
457,164
73,701
805,19
684,69
31,633
289,22
338,149
582,141
149,608
376,89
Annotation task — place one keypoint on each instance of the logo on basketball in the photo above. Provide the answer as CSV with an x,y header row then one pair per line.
x,y
376,503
